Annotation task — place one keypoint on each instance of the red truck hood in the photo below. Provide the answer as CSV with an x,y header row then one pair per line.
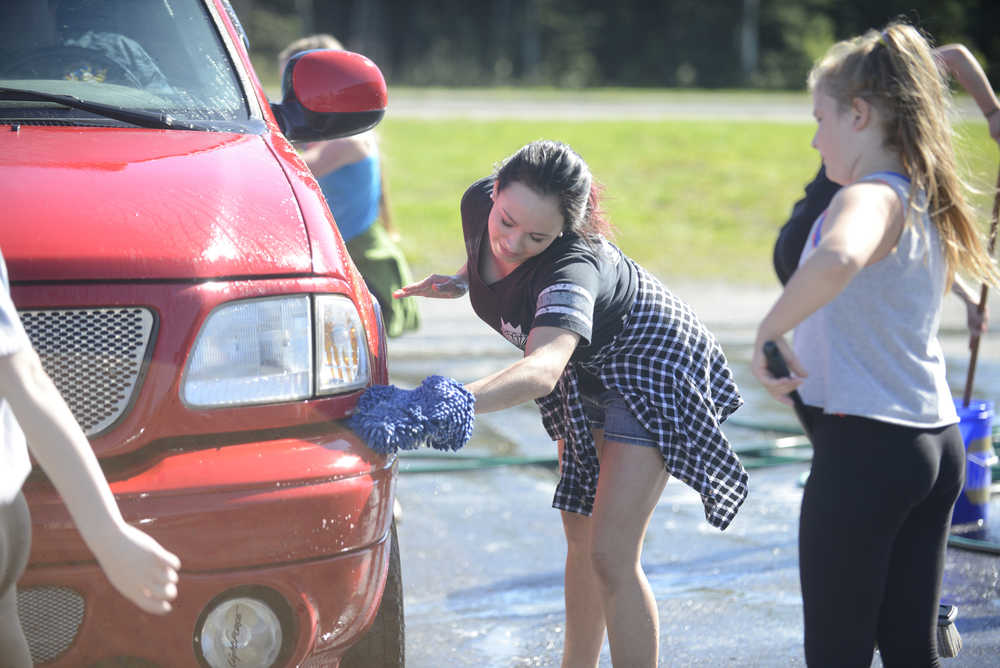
x,y
114,204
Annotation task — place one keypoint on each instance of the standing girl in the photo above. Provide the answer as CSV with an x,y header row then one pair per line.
x,y
865,303
350,172
628,381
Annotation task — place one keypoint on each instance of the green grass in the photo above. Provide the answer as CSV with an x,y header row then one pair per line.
x,y
689,199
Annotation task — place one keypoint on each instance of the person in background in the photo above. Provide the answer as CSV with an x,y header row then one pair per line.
x,y
629,382
963,66
864,303
350,174
34,416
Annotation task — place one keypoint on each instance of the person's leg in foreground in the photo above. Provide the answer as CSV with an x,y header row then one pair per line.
x,y
605,583
15,538
585,626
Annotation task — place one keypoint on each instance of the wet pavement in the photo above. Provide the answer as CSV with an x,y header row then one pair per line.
x,y
482,549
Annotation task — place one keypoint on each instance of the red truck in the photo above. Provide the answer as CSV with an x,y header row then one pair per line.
x,y
181,276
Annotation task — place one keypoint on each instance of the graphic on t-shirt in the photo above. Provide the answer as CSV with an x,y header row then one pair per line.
x,y
513,334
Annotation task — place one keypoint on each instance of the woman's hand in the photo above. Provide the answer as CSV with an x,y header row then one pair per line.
x,y
435,285
977,322
993,118
138,567
779,388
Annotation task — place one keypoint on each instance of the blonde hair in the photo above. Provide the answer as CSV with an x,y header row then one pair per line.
x,y
308,43
896,72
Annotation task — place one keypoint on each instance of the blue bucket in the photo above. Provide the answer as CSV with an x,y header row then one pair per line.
x,y
976,424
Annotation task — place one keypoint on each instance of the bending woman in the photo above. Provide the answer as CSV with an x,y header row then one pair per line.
x,y
629,383
865,304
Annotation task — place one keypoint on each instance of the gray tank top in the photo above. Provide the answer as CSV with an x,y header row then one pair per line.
x,y
873,351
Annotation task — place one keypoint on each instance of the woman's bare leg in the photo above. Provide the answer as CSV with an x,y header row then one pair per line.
x,y
631,481
584,634
584,608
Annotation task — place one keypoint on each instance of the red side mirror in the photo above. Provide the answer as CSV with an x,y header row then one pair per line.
x,y
338,81
328,94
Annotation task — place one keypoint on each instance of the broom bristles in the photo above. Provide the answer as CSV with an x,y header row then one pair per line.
x,y
949,641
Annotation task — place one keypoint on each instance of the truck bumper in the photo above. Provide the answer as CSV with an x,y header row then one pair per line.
x,y
301,523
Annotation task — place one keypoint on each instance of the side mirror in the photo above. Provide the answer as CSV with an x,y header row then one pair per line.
x,y
328,94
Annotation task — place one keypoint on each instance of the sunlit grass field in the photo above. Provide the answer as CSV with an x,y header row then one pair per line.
x,y
689,199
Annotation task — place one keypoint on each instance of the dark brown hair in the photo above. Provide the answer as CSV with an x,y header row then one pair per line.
x,y
551,168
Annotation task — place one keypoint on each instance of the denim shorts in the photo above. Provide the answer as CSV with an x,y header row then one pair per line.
x,y
608,411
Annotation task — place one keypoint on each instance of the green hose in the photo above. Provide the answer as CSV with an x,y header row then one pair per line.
x,y
463,462
792,448
755,455
973,544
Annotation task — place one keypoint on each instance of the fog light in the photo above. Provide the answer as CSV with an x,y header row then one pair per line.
x,y
242,632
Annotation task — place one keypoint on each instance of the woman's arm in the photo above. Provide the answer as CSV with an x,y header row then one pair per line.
x,y
862,225
139,567
546,354
966,69
384,210
324,157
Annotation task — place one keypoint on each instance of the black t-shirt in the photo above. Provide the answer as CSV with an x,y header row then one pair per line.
x,y
792,237
569,285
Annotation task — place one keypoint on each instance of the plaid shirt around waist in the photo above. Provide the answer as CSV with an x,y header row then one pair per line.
x,y
676,381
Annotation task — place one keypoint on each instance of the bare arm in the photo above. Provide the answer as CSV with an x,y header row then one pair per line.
x,y
862,225
385,211
546,354
135,563
977,322
960,62
324,157
967,70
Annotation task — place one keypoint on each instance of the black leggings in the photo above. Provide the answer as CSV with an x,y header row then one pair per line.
x,y
873,532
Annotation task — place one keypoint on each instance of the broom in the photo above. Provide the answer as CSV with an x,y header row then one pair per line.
x,y
974,337
949,642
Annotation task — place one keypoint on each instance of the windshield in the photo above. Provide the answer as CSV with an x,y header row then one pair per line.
x,y
153,56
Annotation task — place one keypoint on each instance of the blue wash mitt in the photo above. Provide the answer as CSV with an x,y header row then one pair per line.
x,y
440,412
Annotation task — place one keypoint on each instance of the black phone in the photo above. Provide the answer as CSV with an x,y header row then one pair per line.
x,y
778,368
775,361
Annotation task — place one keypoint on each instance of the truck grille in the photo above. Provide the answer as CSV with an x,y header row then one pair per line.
x,y
50,617
94,356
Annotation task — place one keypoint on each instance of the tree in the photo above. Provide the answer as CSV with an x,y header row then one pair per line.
x,y
706,43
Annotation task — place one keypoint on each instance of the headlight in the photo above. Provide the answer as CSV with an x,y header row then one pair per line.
x,y
276,349
341,346
243,632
